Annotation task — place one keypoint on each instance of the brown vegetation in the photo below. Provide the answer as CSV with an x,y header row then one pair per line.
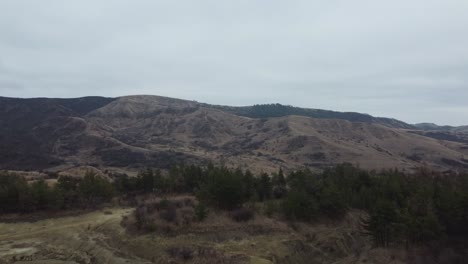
x,y
133,132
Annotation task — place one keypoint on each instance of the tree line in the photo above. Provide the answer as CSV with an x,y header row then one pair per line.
x,y
19,196
402,208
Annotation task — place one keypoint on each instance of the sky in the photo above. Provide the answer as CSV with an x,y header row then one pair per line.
x,y
402,59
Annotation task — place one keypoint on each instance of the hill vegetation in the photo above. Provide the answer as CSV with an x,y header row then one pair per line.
x,y
279,110
134,132
402,208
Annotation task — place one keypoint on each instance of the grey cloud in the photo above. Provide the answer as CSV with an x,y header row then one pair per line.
x,y
403,59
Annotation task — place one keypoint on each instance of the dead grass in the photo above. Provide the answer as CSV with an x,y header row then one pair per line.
x,y
99,237
149,125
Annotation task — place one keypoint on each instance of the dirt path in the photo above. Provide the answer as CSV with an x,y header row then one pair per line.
x,y
76,239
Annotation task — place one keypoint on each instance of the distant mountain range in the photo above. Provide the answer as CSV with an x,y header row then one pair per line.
x,y
434,127
133,132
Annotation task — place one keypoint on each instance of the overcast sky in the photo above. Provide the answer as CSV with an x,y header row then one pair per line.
x,y
406,59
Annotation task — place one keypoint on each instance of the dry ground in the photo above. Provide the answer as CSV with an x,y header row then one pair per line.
x,y
99,237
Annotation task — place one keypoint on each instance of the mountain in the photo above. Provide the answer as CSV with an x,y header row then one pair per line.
x,y
433,127
31,128
448,133
132,132
278,110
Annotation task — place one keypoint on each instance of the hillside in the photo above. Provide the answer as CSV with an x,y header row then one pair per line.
x,y
129,133
31,128
278,110
435,127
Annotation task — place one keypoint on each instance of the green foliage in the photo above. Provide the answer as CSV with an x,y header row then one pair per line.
x,y
95,189
264,187
68,188
403,208
164,203
278,179
248,180
146,180
201,212
56,199
123,184
222,189
278,110
271,207
15,194
331,201
41,194
242,214
383,223
422,228
298,205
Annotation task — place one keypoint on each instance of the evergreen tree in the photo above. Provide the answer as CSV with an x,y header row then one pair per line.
x,y
384,223
298,205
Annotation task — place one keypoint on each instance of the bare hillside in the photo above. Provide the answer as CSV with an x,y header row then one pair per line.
x,y
132,132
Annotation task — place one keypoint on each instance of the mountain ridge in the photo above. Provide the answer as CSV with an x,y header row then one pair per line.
x,y
247,111
133,132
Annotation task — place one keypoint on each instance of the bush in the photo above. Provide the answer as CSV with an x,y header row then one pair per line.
x,y
187,215
164,204
169,214
271,207
178,203
189,202
150,227
182,253
141,215
279,192
201,212
242,215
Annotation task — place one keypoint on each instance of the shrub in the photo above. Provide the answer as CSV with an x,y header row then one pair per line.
x,y
141,216
187,215
201,212
189,202
271,207
279,191
242,215
182,253
150,227
164,204
178,203
169,214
